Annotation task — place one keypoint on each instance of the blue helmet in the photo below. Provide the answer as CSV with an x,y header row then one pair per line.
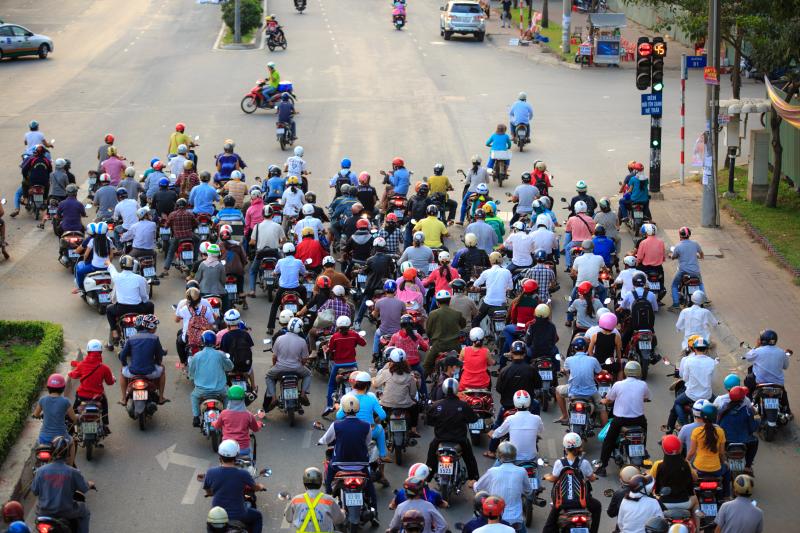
x,y
346,163
285,97
154,161
122,191
18,527
101,228
33,125
580,344
209,338
540,255
390,286
163,182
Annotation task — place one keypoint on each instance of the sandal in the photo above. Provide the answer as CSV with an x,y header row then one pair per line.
x,y
489,454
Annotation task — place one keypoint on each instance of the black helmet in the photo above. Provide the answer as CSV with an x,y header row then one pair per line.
x,y
518,347
639,279
311,198
438,169
181,203
431,210
540,256
312,478
600,230
229,201
406,320
274,170
458,285
526,177
656,524
580,344
768,337
477,502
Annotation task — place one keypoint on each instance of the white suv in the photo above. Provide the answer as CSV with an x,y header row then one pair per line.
x,y
462,17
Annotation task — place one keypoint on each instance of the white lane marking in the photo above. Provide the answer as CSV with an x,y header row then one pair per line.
x,y
439,43
169,455
125,50
611,150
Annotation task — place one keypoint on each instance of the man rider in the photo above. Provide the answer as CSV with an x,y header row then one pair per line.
x,y
520,112
131,295
273,81
182,224
524,427
345,176
146,354
416,511
126,209
688,253
416,209
581,369
203,196
142,235
36,170
579,228
440,184
475,176
444,327
313,508
582,196
378,268
71,211
509,482
697,372
208,370
650,253
521,245
470,257
289,271
286,113
498,282
523,197
266,239
105,197
398,181
434,229
768,362
290,352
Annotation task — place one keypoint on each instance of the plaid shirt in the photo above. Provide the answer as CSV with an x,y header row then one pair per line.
x,y
544,277
340,308
392,241
182,223
236,189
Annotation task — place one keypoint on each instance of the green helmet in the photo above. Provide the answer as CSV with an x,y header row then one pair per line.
x,y
236,393
731,381
213,249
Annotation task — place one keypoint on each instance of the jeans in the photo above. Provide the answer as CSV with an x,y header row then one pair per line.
x,y
198,394
484,310
332,379
18,198
379,436
362,307
376,341
510,335
451,206
676,281
173,248
83,268
115,311
464,205
610,442
681,401
268,91
252,519
568,251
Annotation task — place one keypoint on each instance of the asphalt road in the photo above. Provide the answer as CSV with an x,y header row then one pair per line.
x,y
365,91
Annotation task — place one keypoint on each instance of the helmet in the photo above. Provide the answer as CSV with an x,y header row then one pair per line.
x,y
684,233
94,345
450,387
129,171
104,178
608,321
343,322
443,294
523,96
737,394
526,177
471,240
232,316
698,297
18,526
235,175
362,223
639,279
379,242
61,446
600,230
627,473
731,381
604,203
274,170
142,212
292,180
493,507
768,337
518,225
671,445
412,519
495,258
364,178
236,393
629,261
271,64
572,441
475,334
542,311
540,255
213,249
649,229
410,274
397,355
432,210
419,470
476,159
122,191
209,338
507,452
228,448
391,217
541,166
307,232
61,163
126,262
438,168
697,407
480,214
203,248
444,257
657,524
518,347
182,149
267,211
13,510
350,404
581,186
285,316
678,528
700,344
584,288
580,206
284,97
328,261
743,485
33,125
323,282
298,151
709,413
580,344
406,320
180,127
490,208
338,290
522,400
288,248
56,381
164,182
390,286
346,163
295,325
458,285
397,162
632,368
217,516
482,188
312,478
529,286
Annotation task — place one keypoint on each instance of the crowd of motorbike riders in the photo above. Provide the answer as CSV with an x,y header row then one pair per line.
x,y
455,323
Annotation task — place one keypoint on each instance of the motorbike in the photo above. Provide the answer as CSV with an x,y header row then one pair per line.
x,y
497,324
254,99
480,400
357,292
499,171
184,255
630,448
97,287
398,18
641,349
52,214
43,454
247,464
283,134
531,468
708,490
141,399
203,229
655,282
147,269
689,284
89,430
544,366
349,485
451,472
581,417
240,379
67,249
57,524
35,202
634,222
522,135
576,521
300,5
164,235
397,204
210,409
291,300
591,6
604,381
772,409
735,454
232,290
126,327
276,38
266,275
397,436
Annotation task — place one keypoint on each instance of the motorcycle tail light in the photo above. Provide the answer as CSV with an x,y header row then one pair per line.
x,y
579,407
580,519
708,485
353,482
289,298
140,384
230,279
44,528
44,456
545,364
215,302
531,471
128,320
604,275
445,459
73,240
635,439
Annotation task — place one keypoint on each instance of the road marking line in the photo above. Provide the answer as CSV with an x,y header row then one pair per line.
x,y
439,43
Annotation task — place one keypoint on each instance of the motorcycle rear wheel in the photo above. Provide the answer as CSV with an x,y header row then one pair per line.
x,y
290,414
89,450
398,455
249,104
214,440
142,421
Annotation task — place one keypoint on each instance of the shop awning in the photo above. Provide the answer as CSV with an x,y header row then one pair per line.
x,y
608,20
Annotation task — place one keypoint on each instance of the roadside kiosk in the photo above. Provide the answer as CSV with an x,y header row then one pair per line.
x,y
605,38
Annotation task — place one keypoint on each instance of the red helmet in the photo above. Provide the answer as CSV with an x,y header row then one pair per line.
x,y
637,166
685,232
363,178
493,507
671,445
584,288
737,394
56,381
324,282
631,165
158,165
391,217
529,286
397,162
362,223
109,139
180,127
12,511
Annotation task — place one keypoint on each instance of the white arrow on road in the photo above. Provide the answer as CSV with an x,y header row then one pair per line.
x,y
200,465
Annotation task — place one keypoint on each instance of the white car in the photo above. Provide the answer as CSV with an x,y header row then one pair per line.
x,y
16,41
462,17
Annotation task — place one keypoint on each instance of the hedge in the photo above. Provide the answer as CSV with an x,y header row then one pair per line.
x,y
20,389
250,13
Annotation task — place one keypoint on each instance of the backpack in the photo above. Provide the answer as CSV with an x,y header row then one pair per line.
x,y
240,351
341,179
570,490
541,184
197,325
642,316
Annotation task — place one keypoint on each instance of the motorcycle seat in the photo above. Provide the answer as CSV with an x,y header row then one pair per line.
x,y
631,429
454,446
677,514
775,385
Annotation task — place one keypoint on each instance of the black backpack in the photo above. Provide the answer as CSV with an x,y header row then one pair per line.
x,y
541,184
570,490
642,316
240,350
342,179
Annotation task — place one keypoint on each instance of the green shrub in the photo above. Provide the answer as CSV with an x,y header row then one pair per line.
x,y
21,384
250,14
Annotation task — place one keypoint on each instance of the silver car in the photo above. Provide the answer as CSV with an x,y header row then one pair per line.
x,y
462,17
16,41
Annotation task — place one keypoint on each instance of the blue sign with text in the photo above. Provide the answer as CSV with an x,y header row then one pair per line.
x,y
695,61
651,104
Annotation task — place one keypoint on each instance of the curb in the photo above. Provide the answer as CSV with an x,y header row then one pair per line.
x,y
17,469
257,44
543,58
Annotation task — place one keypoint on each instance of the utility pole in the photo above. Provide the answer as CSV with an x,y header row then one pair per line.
x,y
545,14
565,20
237,21
710,212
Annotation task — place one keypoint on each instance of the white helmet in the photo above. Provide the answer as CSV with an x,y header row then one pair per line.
x,y
328,260
572,441
580,206
650,229
523,96
397,355
204,247
580,186
443,295
471,240
630,260
338,290
217,516
476,334
419,236
94,345
255,192
350,404
308,209
298,151
343,322
182,149
405,266
236,175
130,172
228,448
543,220
288,248
698,297
419,470
697,407
444,256
142,212
602,311
522,400
363,377
285,317
295,325
232,316
518,225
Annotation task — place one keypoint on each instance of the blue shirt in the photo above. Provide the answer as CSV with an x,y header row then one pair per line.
x,y
71,211
229,214
351,440
227,484
521,112
499,141
582,370
207,369
202,198
345,172
604,247
290,270
227,164
275,187
285,112
143,235
638,184
368,408
144,351
151,183
428,494
401,181
54,409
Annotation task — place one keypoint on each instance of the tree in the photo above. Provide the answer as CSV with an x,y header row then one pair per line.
x,y
250,14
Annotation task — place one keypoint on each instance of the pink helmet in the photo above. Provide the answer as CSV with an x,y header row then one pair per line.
x,y
56,381
608,321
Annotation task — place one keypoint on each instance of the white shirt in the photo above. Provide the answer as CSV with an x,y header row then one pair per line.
x,y
498,282
268,234
295,166
309,222
522,247
509,482
293,201
724,399
126,209
696,320
633,514
544,239
176,165
523,427
586,468
494,528
597,329
32,138
588,267
626,279
185,313
129,288
697,372
629,395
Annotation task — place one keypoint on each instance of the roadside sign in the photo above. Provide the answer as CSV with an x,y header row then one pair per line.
x,y
710,76
651,104
695,61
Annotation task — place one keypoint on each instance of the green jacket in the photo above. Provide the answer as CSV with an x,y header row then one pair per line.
x,y
499,226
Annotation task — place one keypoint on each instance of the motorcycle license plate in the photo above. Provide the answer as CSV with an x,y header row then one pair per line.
x,y
709,509
92,181
230,288
446,469
579,530
164,231
291,307
770,403
242,384
187,255
279,131
397,426
534,483
546,375
736,465
432,267
52,211
475,296
277,219
362,278
89,428
476,426
103,297
654,285
692,289
202,230
149,272
577,418
72,254
139,395
353,499
38,198
645,345
636,450
602,391
130,332
290,394
399,213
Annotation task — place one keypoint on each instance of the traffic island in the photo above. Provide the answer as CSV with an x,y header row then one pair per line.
x,y
251,18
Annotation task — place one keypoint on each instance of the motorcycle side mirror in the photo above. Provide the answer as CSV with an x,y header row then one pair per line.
x,y
369,303
540,461
196,138
608,361
672,249
362,333
53,142
266,472
174,307
608,493
666,361
308,261
558,357
414,221
227,355
607,302
3,201
267,342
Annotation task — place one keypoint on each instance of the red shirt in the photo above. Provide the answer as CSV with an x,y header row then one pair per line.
x,y
237,425
92,373
411,347
343,346
651,251
522,314
310,248
439,280
581,227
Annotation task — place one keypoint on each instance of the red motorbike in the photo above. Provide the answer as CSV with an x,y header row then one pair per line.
x,y
255,98
482,403
291,301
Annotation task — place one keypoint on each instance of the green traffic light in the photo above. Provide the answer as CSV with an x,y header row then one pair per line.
x,y
658,86
655,142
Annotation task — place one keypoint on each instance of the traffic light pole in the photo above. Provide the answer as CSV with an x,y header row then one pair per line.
x,y
655,152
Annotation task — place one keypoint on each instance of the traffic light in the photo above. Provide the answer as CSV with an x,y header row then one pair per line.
x,y
659,48
644,61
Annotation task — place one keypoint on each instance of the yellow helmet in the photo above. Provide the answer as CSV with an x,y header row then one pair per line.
x,y
542,311
307,231
293,180
690,341
495,258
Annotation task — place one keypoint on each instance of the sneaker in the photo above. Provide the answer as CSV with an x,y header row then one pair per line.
x,y
196,421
